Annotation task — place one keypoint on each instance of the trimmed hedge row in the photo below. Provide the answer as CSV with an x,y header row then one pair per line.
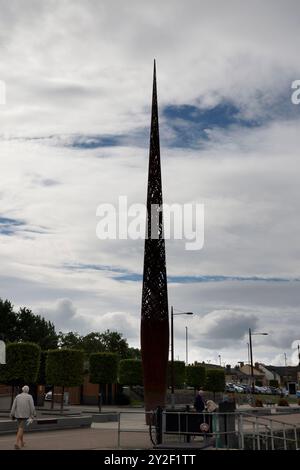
x,y
22,363
25,363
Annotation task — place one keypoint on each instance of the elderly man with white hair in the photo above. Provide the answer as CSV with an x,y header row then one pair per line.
x,y
22,410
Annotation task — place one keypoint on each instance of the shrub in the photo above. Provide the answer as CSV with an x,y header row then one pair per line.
x,y
283,402
41,378
215,380
130,372
22,364
195,376
122,399
179,373
64,367
103,368
259,403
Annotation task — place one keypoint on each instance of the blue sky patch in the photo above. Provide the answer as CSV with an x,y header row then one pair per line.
x,y
9,226
125,275
186,125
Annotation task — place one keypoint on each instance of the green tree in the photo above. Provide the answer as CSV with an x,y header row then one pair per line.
x,y
41,379
22,364
130,372
215,380
25,326
195,376
7,321
70,340
103,368
109,341
92,343
179,374
34,328
64,368
134,353
114,342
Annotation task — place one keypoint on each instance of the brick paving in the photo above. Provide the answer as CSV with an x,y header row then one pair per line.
x,y
78,439
105,435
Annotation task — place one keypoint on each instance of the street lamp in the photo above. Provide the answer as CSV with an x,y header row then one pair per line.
x,y
251,356
186,346
172,352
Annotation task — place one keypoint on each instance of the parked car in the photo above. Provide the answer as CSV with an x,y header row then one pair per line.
x,y
48,396
246,388
229,388
275,390
238,388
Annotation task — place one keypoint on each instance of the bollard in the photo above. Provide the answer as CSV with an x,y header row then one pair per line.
x,y
100,402
227,424
158,425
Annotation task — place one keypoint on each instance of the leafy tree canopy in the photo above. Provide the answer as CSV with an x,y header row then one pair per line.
x,y
25,326
22,364
64,367
103,368
95,342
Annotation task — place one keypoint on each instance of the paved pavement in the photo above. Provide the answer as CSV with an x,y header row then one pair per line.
x,y
134,435
78,439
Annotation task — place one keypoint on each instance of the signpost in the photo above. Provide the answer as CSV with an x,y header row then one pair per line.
x,y
2,352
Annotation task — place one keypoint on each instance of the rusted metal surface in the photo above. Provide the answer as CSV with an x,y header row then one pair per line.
x,y
154,315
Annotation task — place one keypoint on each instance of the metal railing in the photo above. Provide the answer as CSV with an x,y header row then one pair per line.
x,y
267,433
231,430
214,430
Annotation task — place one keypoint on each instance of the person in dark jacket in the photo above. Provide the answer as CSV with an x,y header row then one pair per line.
x,y
199,403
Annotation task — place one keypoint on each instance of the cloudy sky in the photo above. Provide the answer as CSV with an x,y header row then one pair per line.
x,y
74,133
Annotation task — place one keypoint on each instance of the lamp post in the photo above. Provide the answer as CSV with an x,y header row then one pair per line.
x,y
172,352
186,346
219,356
251,356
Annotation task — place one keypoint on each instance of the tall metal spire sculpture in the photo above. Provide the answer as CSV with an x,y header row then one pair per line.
x,y
154,315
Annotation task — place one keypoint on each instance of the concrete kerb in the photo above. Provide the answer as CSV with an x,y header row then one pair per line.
x,y
54,423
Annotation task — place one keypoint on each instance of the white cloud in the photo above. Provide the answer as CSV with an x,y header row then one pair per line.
x,y
76,68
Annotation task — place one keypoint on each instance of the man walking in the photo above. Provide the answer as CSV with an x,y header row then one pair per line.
x,y
22,410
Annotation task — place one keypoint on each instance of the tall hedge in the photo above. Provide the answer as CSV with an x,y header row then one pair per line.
x,y
215,380
179,373
103,368
130,372
195,376
64,367
22,364
41,378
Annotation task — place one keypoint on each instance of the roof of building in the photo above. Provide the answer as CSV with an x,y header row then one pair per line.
x,y
282,370
234,371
